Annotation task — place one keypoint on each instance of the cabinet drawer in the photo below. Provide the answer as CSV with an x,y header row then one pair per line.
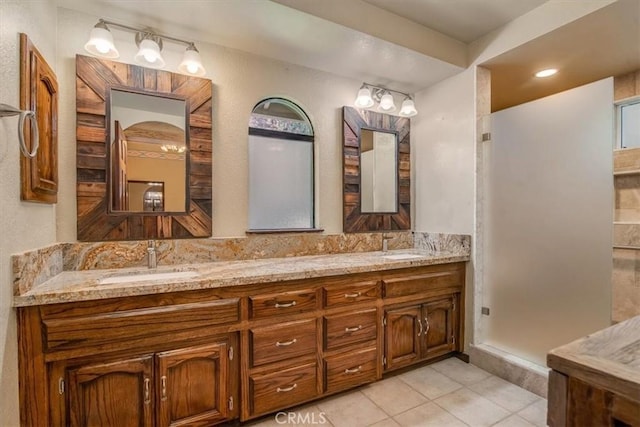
x,y
279,342
345,295
262,306
281,389
93,329
350,370
418,283
349,328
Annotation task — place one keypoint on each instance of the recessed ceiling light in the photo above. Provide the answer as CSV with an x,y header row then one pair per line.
x,y
546,73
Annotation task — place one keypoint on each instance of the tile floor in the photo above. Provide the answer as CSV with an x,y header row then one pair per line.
x,y
449,393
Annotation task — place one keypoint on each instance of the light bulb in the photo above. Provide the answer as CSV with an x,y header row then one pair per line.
x,y
192,68
408,108
102,46
363,100
386,103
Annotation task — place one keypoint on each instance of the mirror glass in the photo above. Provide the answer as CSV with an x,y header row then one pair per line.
x,y
378,175
149,153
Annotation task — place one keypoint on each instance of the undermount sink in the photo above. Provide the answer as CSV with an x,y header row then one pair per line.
x,y
141,277
402,256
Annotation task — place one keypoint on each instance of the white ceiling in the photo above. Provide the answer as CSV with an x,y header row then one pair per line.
x,y
383,42
464,20
277,31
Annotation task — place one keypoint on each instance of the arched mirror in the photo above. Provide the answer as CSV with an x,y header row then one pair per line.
x,y
281,187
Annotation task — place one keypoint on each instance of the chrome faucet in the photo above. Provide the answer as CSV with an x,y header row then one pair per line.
x,y
385,243
152,258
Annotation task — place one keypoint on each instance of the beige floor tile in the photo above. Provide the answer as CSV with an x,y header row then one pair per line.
x,y
472,408
536,413
505,394
428,415
393,395
457,370
514,421
386,423
430,383
351,410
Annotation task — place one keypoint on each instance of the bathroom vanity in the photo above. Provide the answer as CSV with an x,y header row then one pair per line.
x,y
238,340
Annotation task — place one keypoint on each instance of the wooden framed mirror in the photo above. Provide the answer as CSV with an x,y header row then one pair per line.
x,y
172,123
376,171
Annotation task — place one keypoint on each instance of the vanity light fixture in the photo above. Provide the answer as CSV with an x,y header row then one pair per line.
x,y
369,94
149,44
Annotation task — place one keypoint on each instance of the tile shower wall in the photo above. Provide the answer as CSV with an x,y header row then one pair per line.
x,y
625,280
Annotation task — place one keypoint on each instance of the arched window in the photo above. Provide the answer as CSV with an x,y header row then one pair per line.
x,y
280,167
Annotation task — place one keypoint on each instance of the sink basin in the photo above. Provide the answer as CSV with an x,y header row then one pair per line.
x,y
402,256
141,277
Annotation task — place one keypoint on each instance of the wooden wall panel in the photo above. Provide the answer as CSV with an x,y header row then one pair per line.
x,y
94,80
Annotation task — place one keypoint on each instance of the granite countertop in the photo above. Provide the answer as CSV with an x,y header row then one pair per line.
x,y
608,359
85,285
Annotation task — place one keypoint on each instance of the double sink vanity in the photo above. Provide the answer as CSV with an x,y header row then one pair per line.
x,y
228,329
212,342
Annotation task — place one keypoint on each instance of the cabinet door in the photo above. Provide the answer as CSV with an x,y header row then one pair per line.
x,y
403,336
193,386
438,327
112,394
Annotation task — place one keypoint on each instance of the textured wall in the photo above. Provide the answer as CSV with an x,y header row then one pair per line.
x,y
24,225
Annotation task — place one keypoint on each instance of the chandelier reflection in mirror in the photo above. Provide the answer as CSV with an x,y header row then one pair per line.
x,y
369,94
149,47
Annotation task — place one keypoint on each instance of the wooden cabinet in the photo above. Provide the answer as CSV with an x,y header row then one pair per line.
x,y
419,332
205,357
182,387
117,393
193,385
422,318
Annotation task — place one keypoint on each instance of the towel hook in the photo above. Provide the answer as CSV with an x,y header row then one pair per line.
x,y
7,110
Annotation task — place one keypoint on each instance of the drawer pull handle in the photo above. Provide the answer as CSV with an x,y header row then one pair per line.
x,y
420,330
426,325
285,304
353,370
281,390
356,295
354,329
286,343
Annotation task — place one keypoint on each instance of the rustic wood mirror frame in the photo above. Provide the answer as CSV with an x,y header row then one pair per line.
x,y
354,221
94,80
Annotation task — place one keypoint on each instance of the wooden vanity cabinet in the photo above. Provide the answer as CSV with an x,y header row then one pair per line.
x,y
205,357
188,386
423,314
419,332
